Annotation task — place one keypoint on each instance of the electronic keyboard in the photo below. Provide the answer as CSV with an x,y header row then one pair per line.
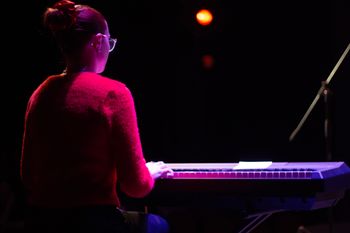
x,y
253,186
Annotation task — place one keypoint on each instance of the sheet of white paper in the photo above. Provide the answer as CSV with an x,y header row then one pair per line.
x,y
253,164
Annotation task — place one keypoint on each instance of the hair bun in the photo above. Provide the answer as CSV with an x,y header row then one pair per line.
x,y
65,6
62,15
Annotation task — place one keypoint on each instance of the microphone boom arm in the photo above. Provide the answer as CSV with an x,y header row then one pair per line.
x,y
319,93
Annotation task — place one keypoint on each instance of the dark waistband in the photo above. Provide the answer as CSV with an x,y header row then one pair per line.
x,y
73,210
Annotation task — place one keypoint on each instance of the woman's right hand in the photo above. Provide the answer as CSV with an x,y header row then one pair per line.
x,y
159,169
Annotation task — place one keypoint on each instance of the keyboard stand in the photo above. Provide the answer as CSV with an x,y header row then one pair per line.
x,y
255,220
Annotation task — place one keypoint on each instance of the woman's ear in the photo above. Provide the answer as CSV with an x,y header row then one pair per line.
x,y
96,42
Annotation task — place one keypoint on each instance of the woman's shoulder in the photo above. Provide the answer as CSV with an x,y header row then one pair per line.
x,y
46,82
103,81
111,84
112,81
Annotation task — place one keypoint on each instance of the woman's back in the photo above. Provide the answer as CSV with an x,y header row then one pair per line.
x,y
71,130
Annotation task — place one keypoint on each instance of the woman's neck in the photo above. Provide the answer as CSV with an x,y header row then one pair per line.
x,y
78,68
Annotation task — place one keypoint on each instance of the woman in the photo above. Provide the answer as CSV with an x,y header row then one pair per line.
x,y
81,137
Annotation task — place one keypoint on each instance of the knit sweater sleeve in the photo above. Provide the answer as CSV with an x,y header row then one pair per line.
x,y
24,142
24,173
133,175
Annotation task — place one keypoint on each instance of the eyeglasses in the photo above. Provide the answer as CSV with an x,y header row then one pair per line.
x,y
112,41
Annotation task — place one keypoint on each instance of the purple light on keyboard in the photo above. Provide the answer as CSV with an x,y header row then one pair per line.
x,y
241,174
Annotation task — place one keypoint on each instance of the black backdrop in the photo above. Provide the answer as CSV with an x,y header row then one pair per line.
x,y
269,61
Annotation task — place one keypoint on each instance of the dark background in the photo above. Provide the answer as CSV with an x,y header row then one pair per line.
x,y
270,58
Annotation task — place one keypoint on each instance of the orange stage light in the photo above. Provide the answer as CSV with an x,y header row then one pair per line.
x,y
204,17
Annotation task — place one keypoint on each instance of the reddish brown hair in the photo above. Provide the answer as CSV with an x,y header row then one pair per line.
x,y
73,24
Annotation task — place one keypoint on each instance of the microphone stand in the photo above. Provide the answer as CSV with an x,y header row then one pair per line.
x,y
325,92
327,121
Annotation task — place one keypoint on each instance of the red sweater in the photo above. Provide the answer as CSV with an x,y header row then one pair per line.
x,y
80,138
